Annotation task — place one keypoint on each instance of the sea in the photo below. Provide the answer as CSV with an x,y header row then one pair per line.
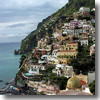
x,y
9,63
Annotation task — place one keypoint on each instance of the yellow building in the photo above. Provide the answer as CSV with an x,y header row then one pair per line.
x,y
62,47
71,46
64,60
66,53
64,56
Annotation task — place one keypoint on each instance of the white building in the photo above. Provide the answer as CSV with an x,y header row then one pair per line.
x,y
63,70
91,77
86,27
65,33
45,57
93,9
84,41
35,68
80,24
56,34
66,24
43,60
74,32
52,60
54,53
84,9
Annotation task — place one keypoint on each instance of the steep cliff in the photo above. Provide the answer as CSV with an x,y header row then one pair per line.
x,y
48,25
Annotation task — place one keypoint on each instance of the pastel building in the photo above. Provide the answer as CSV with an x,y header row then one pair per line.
x,y
49,89
56,46
73,24
39,52
46,88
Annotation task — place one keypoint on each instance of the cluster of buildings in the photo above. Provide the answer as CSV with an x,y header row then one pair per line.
x,y
77,83
65,44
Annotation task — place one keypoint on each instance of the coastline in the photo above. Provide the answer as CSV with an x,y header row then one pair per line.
x,y
6,89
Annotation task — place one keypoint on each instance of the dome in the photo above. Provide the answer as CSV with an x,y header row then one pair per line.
x,y
73,82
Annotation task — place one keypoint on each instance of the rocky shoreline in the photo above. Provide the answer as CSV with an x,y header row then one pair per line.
x,y
8,91
18,52
5,89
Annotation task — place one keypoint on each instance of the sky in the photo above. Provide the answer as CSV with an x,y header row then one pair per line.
x,y
19,17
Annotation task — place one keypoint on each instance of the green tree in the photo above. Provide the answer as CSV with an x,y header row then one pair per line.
x,y
92,87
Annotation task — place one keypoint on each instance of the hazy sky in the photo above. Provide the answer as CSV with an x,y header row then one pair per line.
x,y
19,17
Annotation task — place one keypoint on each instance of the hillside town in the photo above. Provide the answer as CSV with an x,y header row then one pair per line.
x,y
62,63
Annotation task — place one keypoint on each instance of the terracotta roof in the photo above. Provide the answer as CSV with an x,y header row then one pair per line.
x,y
73,43
67,51
73,92
83,82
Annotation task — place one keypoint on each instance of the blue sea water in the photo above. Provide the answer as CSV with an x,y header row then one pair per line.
x,y
9,63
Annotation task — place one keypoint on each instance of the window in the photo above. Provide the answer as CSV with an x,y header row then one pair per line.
x,y
74,45
68,45
69,48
